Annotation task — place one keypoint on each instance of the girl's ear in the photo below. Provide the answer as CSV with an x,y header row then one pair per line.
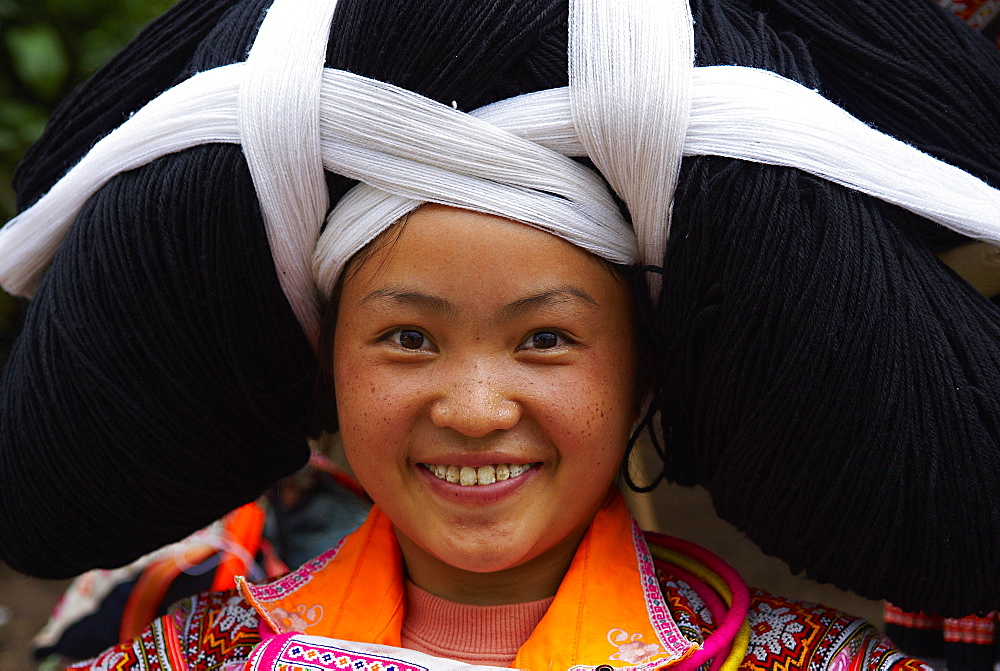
x,y
991,255
978,263
644,382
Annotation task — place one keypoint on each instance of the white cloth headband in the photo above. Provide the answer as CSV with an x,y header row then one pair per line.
x,y
509,158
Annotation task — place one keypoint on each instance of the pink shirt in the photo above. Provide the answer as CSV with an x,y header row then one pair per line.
x,y
488,635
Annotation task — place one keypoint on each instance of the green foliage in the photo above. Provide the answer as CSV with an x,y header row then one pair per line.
x,y
37,58
47,48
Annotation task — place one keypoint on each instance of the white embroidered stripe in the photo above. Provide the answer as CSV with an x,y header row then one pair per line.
x,y
278,116
630,79
736,112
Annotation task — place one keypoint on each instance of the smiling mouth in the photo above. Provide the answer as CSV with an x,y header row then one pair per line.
x,y
467,476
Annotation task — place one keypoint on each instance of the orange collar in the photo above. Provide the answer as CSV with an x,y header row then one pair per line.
x,y
608,610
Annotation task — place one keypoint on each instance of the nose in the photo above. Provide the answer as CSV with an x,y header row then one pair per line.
x,y
475,402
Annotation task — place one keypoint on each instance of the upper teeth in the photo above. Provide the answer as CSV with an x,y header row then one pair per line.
x,y
484,475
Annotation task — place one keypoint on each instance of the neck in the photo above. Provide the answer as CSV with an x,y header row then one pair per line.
x,y
538,578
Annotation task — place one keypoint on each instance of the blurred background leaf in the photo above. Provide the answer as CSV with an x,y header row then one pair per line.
x,y
47,48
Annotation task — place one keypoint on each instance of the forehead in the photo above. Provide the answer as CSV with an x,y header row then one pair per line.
x,y
475,255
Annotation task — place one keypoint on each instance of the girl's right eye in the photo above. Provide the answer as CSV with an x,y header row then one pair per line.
x,y
410,339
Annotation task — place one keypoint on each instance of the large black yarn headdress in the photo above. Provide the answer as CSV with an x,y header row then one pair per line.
x,y
820,371
825,378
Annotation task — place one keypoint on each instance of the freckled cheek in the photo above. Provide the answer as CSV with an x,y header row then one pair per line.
x,y
373,435
588,410
357,395
376,403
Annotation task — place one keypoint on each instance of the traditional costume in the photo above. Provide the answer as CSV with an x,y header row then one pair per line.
x,y
619,606
818,370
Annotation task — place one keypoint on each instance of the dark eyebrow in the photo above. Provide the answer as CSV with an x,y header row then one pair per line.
x,y
510,311
545,298
408,297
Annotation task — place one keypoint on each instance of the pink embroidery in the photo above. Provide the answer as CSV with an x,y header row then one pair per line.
x,y
631,649
295,654
293,581
666,629
842,662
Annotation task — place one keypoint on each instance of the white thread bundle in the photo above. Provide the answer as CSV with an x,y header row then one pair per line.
x,y
431,152
759,116
630,70
278,118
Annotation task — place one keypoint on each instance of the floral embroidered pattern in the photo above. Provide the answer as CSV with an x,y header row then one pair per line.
x,y
204,642
236,613
299,619
631,649
789,634
774,631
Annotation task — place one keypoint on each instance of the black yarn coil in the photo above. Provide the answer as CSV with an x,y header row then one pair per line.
x,y
824,376
150,351
828,380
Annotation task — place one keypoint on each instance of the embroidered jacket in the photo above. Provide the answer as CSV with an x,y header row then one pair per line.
x,y
617,608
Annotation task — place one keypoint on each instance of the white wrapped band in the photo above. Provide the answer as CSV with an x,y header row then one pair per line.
x,y
630,76
278,115
409,150
770,119
506,159
199,111
757,115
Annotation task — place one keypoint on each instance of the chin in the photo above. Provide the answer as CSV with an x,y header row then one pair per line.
x,y
488,557
488,564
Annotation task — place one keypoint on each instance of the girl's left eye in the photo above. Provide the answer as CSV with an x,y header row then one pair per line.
x,y
543,340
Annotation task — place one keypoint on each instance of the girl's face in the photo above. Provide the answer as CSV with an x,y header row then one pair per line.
x,y
485,381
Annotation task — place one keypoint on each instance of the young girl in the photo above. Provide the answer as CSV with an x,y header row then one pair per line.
x,y
486,355
487,412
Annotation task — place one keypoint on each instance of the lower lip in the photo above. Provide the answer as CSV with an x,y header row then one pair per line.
x,y
477,494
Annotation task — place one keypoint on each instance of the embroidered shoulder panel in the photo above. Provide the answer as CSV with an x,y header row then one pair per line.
x,y
154,650
218,632
210,632
788,634
216,629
